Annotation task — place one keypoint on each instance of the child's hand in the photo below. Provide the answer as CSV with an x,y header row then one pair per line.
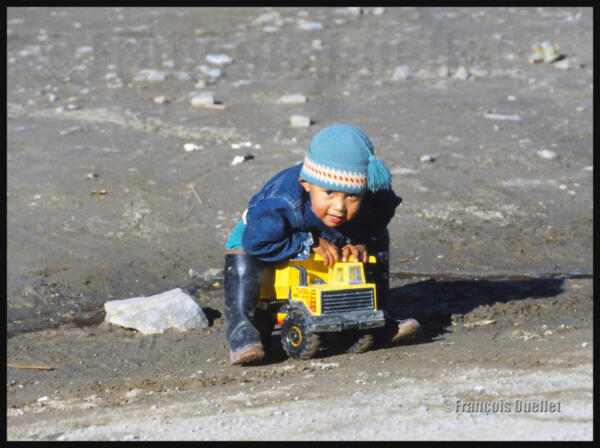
x,y
358,251
328,251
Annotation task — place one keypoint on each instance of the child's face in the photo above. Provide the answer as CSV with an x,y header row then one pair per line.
x,y
332,207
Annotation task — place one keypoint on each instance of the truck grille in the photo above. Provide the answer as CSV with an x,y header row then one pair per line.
x,y
347,300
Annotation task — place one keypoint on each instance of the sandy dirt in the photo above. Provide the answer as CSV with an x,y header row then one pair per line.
x,y
491,248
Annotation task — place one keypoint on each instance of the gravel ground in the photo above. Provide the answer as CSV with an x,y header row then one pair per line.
x,y
119,183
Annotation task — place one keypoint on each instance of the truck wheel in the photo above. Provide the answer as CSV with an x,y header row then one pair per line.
x,y
298,342
264,321
364,341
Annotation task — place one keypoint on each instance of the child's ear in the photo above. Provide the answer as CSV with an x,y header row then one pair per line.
x,y
305,184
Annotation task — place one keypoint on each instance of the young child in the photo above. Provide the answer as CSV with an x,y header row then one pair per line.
x,y
337,202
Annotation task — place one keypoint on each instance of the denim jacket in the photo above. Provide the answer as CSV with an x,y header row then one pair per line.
x,y
280,223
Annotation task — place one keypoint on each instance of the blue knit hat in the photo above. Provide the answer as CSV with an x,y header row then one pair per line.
x,y
341,157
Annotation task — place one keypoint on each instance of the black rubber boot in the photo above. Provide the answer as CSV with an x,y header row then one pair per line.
x,y
243,275
395,331
379,273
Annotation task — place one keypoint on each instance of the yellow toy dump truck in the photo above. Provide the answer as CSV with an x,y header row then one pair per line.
x,y
308,299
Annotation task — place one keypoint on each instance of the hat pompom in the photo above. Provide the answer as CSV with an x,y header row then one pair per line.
x,y
378,176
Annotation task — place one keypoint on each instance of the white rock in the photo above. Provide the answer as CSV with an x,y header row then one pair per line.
x,y
85,50
480,72
200,84
299,121
237,160
567,63
401,72
443,71
403,171
265,18
203,99
310,26
189,147
514,117
584,344
161,99
316,44
426,158
378,11
218,59
355,10
155,314
148,74
297,98
183,76
546,154
212,72
240,159
461,73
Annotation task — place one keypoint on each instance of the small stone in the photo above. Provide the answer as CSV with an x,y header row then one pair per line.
x,y
300,121
567,63
151,75
161,99
183,76
218,59
84,50
378,11
310,26
189,147
547,154
212,72
514,117
426,158
461,73
584,344
51,97
355,10
240,159
443,71
293,99
73,106
203,99
91,175
403,171
200,84
401,72
317,44
237,160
